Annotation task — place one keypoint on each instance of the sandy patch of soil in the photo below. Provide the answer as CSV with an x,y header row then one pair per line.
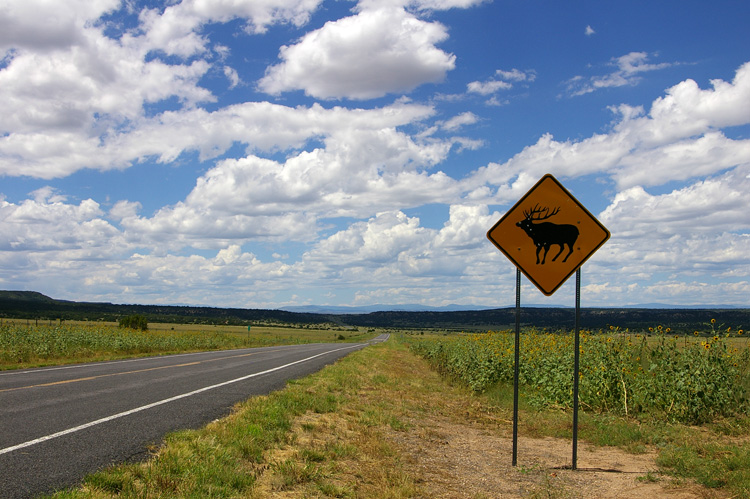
x,y
454,460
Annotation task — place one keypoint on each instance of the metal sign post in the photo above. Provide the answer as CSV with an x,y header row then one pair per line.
x,y
576,370
548,253
516,362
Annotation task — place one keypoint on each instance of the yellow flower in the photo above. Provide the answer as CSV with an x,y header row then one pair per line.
x,y
713,321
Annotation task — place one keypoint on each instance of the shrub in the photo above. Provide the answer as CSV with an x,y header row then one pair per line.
x,y
134,322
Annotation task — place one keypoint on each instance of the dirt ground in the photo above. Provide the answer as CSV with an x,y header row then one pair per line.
x,y
454,460
449,459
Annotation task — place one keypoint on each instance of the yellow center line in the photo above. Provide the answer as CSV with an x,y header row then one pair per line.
x,y
89,378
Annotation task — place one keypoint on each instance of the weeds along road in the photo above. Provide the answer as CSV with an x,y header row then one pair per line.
x,y
61,423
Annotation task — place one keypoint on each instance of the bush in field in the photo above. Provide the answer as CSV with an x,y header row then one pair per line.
x,y
134,322
690,380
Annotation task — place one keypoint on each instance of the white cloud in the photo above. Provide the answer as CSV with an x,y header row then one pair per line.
x,y
378,241
629,66
409,260
679,137
38,25
463,119
48,224
61,105
125,209
503,80
682,160
589,31
72,94
419,5
176,30
357,174
232,76
711,205
261,125
487,87
365,56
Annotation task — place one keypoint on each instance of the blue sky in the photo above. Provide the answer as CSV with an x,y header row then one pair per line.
x,y
271,153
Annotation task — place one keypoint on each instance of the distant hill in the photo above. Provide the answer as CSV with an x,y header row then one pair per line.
x,y
33,305
345,310
25,296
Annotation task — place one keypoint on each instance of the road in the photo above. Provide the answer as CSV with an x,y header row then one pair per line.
x,y
60,423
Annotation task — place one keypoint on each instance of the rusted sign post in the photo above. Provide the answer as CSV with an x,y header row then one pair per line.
x,y
548,235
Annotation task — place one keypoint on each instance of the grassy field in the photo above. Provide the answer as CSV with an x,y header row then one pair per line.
x,y
381,424
26,344
690,379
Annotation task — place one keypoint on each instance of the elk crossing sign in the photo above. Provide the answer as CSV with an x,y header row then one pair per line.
x,y
548,234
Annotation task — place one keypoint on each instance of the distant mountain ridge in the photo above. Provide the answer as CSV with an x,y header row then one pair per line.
x,y
368,309
32,305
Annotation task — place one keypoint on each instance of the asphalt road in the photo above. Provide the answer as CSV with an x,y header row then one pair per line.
x,y
58,424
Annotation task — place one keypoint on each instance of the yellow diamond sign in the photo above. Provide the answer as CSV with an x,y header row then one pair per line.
x,y
548,234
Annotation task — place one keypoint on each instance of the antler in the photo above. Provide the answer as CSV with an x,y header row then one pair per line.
x,y
539,210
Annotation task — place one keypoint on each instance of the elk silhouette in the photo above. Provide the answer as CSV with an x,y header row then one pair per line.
x,y
546,234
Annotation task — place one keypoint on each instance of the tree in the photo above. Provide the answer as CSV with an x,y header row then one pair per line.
x,y
135,322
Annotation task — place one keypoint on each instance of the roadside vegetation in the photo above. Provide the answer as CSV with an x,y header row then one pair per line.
x,y
381,424
25,345
688,378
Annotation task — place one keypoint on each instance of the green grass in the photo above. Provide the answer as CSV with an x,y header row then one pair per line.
x,y
24,346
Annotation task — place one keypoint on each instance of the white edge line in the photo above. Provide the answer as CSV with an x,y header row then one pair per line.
x,y
158,403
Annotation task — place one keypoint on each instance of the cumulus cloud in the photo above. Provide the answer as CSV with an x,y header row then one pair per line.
x,y
47,224
716,204
176,29
358,173
679,134
37,25
72,94
408,258
262,126
365,56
